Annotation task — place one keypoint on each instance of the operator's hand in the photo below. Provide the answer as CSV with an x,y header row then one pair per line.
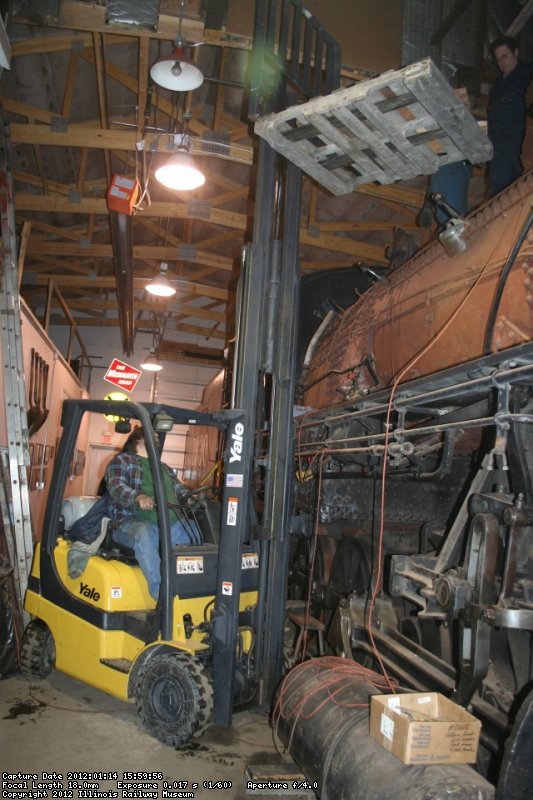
x,y
145,502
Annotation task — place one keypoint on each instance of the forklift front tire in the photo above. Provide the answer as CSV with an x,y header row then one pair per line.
x,y
174,697
37,653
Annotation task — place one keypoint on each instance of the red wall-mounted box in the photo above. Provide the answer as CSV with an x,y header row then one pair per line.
x,y
122,194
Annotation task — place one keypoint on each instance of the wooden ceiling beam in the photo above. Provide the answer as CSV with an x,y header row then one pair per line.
x,y
109,282
90,17
68,93
338,263
343,244
44,265
143,252
175,210
96,303
139,325
98,139
50,44
40,169
198,330
239,193
206,244
74,233
521,19
195,274
340,244
401,195
335,227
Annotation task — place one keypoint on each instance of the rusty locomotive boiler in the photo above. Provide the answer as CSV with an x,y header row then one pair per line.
x,y
414,467
413,476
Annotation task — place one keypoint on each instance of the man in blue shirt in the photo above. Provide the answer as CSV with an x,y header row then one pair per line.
x,y
133,512
506,114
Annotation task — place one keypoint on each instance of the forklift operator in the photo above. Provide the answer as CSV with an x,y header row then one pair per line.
x,y
132,508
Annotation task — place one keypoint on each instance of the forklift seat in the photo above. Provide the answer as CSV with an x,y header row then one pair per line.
x,y
74,508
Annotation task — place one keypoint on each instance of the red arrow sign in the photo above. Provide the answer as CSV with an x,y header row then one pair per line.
x,y
122,375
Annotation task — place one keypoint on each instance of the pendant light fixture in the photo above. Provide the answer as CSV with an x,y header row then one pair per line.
x,y
160,286
150,363
177,72
179,172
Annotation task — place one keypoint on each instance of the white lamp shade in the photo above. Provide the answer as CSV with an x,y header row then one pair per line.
x,y
179,172
151,364
161,287
177,72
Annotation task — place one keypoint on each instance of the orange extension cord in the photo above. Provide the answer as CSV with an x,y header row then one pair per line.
x,y
337,675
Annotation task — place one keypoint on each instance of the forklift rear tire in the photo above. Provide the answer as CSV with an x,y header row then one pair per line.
x,y
38,653
174,697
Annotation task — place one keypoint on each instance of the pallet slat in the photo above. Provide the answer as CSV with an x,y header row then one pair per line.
x,y
394,127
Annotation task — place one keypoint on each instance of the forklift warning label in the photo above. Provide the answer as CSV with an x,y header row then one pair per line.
x,y
187,565
250,561
227,587
233,507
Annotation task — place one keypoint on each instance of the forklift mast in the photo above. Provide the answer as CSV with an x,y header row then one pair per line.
x,y
285,69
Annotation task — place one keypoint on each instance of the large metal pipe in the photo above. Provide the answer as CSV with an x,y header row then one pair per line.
x,y
322,716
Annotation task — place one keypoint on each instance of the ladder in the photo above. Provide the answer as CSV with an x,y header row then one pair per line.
x,y
16,457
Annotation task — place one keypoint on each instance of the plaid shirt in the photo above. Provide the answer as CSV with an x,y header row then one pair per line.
x,y
123,479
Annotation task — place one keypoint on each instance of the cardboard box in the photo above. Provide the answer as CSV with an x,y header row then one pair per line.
x,y
424,728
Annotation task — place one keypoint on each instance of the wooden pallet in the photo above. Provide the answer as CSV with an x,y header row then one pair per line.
x,y
399,125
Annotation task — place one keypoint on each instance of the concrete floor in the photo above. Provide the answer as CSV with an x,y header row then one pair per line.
x,y
61,725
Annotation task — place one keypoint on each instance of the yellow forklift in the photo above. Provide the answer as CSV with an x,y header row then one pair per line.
x,y
187,659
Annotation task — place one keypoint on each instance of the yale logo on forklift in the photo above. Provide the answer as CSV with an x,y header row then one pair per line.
x,y
236,447
89,592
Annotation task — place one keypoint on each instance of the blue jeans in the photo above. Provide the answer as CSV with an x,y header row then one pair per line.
x,y
143,538
451,181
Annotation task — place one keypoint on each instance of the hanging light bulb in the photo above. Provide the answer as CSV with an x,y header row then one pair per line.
x,y
151,364
177,72
179,172
160,286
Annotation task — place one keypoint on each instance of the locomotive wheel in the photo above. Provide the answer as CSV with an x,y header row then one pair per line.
x,y
350,570
174,698
516,773
37,653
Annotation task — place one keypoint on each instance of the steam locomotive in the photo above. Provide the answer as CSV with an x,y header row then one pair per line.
x,y
414,475
414,461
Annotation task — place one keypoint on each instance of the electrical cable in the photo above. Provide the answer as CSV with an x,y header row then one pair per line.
x,y
380,553
336,676
491,320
